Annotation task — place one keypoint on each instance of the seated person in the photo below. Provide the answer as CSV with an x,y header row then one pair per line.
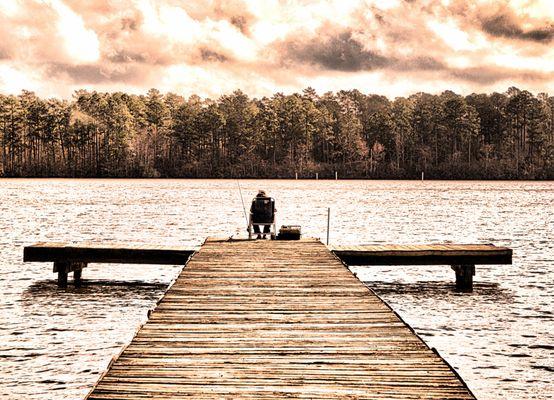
x,y
262,211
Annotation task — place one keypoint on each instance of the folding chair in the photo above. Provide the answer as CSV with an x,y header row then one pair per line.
x,y
262,214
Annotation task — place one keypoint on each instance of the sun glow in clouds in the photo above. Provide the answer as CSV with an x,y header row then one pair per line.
x,y
81,44
168,22
9,7
451,34
535,8
13,80
393,48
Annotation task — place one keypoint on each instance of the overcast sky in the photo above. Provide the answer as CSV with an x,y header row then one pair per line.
x,y
391,47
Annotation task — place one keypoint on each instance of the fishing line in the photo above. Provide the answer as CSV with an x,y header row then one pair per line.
x,y
243,206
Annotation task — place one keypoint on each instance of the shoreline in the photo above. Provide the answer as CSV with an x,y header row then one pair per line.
x,y
272,179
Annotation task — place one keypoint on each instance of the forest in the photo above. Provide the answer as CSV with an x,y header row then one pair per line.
x,y
448,136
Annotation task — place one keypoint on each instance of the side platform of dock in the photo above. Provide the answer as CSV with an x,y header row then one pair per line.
x,y
275,319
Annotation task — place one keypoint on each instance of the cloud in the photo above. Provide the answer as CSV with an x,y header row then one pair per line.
x,y
4,55
215,46
506,25
491,75
339,52
80,42
210,55
93,74
124,56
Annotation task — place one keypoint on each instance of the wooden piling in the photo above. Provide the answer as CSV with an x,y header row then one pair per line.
x,y
62,279
62,268
77,277
464,277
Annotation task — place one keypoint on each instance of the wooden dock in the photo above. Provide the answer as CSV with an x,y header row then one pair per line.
x,y
424,254
69,257
461,257
275,319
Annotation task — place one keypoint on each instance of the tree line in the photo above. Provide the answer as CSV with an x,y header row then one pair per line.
x,y
448,136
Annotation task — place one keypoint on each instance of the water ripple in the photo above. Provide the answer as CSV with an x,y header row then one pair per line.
x,y
55,343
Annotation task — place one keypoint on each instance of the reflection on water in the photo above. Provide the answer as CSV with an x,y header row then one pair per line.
x,y
434,289
47,291
55,343
61,338
481,329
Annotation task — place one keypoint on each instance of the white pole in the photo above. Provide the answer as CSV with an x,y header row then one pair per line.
x,y
296,175
336,175
316,176
422,176
328,223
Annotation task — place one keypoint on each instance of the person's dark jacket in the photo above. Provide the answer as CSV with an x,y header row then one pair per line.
x,y
262,209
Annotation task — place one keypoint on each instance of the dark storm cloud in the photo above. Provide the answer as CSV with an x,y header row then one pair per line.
x,y
340,52
506,25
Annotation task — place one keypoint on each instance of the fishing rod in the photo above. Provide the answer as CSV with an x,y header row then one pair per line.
x,y
243,206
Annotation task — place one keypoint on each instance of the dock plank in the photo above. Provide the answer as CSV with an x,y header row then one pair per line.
x,y
274,319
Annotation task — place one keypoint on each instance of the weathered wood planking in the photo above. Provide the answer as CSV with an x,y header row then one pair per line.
x,y
429,254
274,319
102,253
75,257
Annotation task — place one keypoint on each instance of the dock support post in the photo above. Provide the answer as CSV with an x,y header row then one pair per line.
x,y
77,268
464,277
77,277
62,279
63,268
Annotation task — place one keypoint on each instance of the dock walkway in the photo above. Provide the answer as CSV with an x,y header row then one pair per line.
x,y
274,319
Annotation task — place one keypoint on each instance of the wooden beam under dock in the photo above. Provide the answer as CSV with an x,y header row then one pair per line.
x,y
275,319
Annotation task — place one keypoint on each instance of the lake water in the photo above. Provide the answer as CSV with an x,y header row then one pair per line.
x,y
54,344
